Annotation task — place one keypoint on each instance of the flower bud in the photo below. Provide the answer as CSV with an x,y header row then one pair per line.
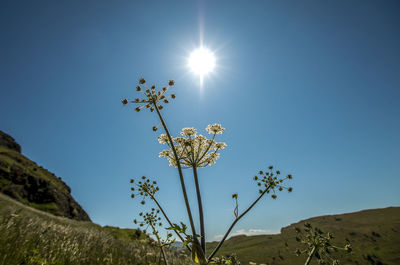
x,y
142,81
124,101
171,82
138,88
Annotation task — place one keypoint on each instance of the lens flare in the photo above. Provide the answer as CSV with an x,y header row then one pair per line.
x,y
201,61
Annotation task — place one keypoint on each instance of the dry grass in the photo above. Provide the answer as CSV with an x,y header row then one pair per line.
x,y
29,236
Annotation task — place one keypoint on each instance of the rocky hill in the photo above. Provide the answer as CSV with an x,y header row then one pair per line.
x,y
33,185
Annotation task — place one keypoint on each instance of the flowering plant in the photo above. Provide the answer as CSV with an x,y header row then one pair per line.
x,y
191,150
318,245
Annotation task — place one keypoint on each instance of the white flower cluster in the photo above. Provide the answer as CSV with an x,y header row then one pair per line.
x,y
163,139
215,129
189,132
193,150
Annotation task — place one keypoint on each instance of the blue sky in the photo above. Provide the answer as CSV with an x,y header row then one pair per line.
x,y
311,88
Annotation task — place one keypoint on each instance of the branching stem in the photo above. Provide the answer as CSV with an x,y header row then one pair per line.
x,y
234,223
169,221
160,244
179,171
310,255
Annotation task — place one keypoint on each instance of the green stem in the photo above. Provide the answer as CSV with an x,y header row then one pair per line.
x,y
202,232
234,223
310,255
179,171
159,243
169,221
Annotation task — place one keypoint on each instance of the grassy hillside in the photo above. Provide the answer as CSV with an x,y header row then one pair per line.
x,y
374,236
30,236
31,184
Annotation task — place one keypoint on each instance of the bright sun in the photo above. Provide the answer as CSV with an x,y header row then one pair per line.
x,y
201,61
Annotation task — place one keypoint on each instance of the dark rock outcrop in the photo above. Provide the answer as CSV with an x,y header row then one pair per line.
x,y
25,181
9,142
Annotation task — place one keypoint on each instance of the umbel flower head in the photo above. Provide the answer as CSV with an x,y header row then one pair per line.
x,y
270,181
144,188
318,244
152,98
193,150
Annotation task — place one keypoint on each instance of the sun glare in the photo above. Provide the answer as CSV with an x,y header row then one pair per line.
x,y
201,62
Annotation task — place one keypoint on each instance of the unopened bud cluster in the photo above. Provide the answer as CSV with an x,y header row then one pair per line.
x,y
193,150
270,181
150,219
144,187
153,221
153,97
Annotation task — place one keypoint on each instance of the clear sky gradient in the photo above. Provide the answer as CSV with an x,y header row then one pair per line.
x,y
311,87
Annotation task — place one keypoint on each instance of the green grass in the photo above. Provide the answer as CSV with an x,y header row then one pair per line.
x,y
374,236
30,236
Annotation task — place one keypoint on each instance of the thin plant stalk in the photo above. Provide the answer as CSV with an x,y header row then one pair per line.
x,y
168,220
161,246
234,223
310,255
202,232
179,171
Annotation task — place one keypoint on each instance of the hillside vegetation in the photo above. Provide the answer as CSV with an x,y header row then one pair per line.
x,y
30,236
374,236
31,184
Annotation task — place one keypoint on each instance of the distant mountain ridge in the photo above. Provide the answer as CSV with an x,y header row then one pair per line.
x,y
33,185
